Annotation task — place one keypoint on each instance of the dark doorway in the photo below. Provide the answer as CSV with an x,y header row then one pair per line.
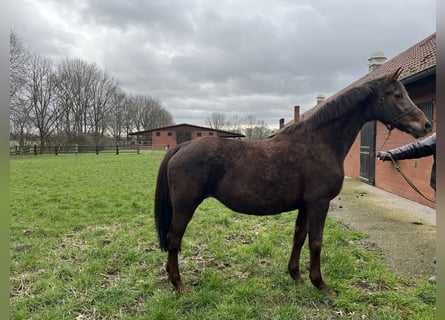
x,y
182,136
367,152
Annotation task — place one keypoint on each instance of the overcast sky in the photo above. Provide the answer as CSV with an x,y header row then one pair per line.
x,y
238,57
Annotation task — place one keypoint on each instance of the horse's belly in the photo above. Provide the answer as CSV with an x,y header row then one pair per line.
x,y
258,204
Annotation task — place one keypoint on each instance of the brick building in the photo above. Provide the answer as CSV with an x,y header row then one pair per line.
x,y
419,77
172,135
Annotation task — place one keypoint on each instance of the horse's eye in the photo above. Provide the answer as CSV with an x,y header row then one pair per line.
x,y
399,96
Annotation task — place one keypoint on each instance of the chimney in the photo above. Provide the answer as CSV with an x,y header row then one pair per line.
x,y
320,98
281,123
296,114
376,60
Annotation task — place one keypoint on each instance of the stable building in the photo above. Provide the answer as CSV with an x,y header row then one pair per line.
x,y
170,136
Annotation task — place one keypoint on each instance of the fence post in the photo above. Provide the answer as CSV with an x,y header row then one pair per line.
x,y
35,149
138,149
117,149
97,149
56,150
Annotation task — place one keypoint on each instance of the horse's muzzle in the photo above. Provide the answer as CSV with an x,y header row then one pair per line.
x,y
422,131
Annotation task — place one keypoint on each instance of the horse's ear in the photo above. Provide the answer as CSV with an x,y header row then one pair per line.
x,y
394,75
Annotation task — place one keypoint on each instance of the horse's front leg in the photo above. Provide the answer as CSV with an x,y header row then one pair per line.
x,y
316,219
299,238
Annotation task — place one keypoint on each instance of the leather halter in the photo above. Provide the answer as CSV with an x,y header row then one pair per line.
x,y
396,118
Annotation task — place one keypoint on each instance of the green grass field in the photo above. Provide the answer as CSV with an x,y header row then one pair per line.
x,y
83,246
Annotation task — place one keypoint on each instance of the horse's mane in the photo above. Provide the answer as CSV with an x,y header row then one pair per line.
x,y
335,108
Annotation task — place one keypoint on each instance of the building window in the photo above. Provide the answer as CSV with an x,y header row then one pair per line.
x,y
427,108
199,134
158,133
169,133
210,134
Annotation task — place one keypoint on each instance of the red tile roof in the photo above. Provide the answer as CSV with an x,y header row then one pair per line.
x,y
418,58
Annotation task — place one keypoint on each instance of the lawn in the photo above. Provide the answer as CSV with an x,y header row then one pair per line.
x,y
83,246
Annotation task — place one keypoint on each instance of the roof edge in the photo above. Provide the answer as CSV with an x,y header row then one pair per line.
x,y
419,75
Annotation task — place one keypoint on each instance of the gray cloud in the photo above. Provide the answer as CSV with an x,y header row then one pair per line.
x,y
240,57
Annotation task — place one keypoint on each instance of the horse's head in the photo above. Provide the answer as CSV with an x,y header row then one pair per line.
x,y
397,110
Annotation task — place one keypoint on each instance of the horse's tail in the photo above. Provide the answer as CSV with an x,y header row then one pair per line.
x,y
163,206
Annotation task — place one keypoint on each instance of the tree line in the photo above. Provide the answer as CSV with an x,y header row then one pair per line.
x,y
252,127
73,102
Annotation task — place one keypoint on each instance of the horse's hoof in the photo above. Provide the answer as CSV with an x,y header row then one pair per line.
x,y
328,291
181,288
296,276
299,280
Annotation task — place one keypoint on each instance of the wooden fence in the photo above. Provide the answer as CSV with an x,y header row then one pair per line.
x,y
75,149
72,149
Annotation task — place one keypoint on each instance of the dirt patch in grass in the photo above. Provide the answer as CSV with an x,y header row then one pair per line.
x,y
403,230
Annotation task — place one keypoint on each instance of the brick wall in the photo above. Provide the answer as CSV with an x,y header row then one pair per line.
x,y
168,137
163,139
417,170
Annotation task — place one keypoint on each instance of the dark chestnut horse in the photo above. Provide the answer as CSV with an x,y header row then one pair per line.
x,y
301,167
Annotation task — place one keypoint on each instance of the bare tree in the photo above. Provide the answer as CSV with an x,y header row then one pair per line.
x,y
77,103
147,113
87,94
251,126
235,123
249,123
137,105
102,89
116,116
256,129
155,115
260,131
129,115
20,121
20,125
40,92
75,77
18,59
217,120
163,118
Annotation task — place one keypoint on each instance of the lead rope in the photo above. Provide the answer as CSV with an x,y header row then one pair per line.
x,y
409,181
387,137
400,171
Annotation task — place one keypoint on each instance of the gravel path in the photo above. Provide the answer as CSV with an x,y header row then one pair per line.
x,y
403,230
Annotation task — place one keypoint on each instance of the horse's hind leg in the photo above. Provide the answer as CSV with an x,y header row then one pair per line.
x,y
175,234
299,238
173,271
316,220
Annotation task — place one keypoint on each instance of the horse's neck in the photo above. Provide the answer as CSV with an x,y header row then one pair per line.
x,y
343,132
